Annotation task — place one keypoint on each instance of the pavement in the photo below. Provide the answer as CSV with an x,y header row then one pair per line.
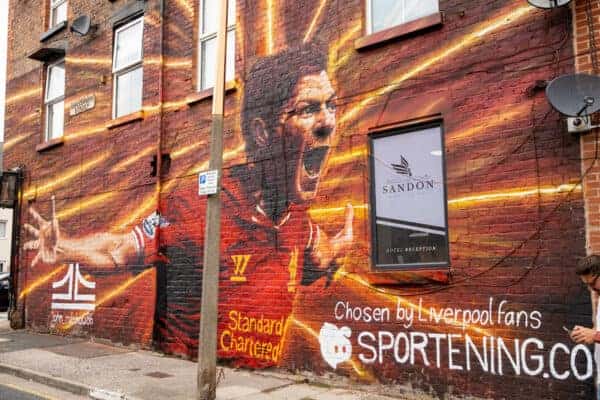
x,y
105,372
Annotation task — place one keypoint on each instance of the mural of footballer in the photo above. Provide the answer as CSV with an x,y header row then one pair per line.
x,y
270,247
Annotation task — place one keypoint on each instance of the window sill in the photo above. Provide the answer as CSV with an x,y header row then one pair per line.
x,y
125,119
197,97
50,144
409,276
53,31
395,32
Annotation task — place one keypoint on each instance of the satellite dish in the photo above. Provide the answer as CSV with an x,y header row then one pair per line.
x,y
81,25
547,4
575,95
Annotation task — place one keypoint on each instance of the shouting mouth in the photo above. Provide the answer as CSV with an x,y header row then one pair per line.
x,y
312,161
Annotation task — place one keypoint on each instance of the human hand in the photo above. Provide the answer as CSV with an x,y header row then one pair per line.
x,y
583,335
325,250
47,237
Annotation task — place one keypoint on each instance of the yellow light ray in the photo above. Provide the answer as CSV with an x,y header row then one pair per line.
x,y
130,160
80,134
344,180
186,7
152,20
467,40
357,368
335,65
335,61
66,177
347,36
228,155
181,63
142,210
327,211
16,140
83,204
166,106
30,117
309,33
41,281
170,62
109,296
88,60
186,149
21,95
517,193
347,156
496,119
270,13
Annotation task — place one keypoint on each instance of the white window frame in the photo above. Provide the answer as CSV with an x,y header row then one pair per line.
x,y
48,103
127,68
204,37
54,4
369,17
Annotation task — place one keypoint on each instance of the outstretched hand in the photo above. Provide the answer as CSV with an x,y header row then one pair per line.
x,y
325,250
47,237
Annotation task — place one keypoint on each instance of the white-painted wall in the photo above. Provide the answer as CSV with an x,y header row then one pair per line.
x,y
6,214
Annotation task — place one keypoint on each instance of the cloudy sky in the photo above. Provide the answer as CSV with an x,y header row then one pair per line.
x,y
3,34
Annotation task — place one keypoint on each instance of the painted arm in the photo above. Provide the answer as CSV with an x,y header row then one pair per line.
x,y
320,255
104,250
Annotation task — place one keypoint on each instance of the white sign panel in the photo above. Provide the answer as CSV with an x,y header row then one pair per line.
x,y
207,182
409,199
82,105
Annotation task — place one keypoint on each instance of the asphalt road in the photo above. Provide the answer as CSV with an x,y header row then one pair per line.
x,y
12,393
13,388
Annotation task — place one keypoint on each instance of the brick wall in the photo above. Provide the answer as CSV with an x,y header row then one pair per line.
x,y
515,212
583,61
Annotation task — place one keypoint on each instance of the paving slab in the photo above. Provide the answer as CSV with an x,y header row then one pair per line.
x,y
83,350
20,340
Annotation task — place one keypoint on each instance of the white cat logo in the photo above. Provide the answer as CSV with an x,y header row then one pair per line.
x,y
335,346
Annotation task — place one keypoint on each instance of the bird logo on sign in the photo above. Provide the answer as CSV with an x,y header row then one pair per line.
x,y
403,168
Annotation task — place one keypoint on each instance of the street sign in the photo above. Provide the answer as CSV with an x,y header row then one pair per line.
x,y
82,105
207,182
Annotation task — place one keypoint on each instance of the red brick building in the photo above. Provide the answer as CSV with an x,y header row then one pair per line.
x,y
400,202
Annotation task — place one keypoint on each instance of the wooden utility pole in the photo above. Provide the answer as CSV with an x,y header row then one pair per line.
x,y
207,354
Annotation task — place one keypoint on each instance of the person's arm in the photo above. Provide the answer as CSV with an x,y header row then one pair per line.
x,y
594,298
103,250
584,335
99,250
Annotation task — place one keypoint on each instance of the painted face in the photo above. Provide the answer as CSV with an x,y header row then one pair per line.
x,y
308,127
592,281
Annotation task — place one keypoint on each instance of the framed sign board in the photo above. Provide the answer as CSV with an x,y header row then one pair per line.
x,y
408,199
